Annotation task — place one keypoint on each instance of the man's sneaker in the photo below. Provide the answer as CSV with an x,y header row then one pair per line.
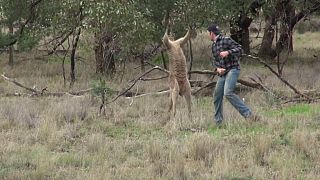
x,y
217,125
253,117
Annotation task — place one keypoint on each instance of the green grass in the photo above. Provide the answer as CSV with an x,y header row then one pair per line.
x,y
294,110
242,129
74,160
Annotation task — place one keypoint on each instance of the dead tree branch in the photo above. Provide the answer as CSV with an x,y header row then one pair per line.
x,y
280,77
154,79
135,81
241,81
20,85
65,37
153,93
44,91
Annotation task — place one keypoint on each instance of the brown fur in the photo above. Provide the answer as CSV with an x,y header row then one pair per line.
x,y
178,81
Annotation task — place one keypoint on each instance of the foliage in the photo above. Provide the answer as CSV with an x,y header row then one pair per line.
x,y
4,39
131,25
119,20
57,18
13,10
183,13
27,41
13,14
100,88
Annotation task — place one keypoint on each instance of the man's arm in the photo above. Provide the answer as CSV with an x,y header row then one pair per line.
x,y
235,48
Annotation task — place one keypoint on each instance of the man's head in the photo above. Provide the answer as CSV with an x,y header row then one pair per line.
x,y
214,30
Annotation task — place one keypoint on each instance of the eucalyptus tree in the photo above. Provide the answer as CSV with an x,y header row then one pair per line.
x,y
59,22
239,14
15,16
183,13
236,14
286,14
117,27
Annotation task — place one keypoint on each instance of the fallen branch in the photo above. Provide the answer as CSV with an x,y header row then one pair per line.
x,y
203,72
20,85
154,79
135,81
193,83
44,91
298,100
146,94
241,81
281,78
266,89
211,85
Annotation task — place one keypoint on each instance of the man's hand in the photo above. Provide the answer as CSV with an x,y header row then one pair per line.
x,y
224,54
221,71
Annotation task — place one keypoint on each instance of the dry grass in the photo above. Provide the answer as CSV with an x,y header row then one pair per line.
x,y
64,138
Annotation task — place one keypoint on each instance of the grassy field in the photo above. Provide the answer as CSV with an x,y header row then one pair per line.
x,y
64,138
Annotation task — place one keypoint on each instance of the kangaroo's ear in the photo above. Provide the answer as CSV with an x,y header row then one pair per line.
x,y
186,37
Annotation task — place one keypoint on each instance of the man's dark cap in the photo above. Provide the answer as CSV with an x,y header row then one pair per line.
x,y
214,28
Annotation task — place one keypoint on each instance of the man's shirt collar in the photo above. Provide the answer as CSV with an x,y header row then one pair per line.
x,y
217,38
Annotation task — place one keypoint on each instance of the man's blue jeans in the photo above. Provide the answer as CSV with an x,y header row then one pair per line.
x,y
225,87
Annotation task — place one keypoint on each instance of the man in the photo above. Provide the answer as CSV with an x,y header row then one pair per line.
x,y
226,58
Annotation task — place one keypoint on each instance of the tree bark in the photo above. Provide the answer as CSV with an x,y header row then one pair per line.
x,y
240,27
73,58
266,45
240,33
286,11
291,19
11,48
105,63
143,67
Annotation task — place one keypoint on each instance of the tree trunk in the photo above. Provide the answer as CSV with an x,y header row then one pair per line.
x,y
266,45
240,27
287,12
98,51
11,48
245,40
290,19
73,58
143,67
105,63
240,32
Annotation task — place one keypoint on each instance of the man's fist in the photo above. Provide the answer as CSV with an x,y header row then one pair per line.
x,y
221,71
224,54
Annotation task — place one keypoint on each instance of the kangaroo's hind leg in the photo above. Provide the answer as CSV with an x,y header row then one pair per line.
x,y
187,96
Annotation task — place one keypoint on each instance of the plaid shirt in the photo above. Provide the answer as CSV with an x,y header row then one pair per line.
x,y
224,43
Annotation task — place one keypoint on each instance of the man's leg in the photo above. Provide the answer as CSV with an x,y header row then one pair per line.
x,y
218,100
230,84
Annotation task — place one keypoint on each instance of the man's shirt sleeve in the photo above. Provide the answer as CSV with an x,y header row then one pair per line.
x,y
235,48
